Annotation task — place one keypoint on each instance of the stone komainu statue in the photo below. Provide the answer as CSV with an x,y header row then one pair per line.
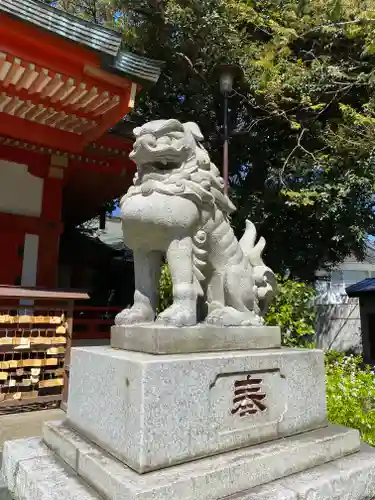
x,y
177,209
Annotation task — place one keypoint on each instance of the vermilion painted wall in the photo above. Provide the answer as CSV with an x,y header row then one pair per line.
x,y
29,240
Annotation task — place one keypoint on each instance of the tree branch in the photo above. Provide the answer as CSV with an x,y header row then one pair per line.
x,y
296,147
333,25
191,65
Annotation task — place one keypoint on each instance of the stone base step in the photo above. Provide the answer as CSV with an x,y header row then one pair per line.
x,y
29,465
348,478
32,472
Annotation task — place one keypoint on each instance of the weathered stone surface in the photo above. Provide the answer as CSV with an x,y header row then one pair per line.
x,y
16,451
4,492
271,491
33,472
160,339
348,478
155,411
207,479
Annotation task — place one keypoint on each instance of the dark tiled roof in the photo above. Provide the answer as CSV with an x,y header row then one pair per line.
x,y
140,68
362,287
64,24
94,36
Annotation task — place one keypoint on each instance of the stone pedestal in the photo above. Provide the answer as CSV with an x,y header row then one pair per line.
x,y
155,411
241,424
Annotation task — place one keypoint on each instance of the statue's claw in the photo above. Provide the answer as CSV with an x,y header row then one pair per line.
x,y
178,315
228,316
136,314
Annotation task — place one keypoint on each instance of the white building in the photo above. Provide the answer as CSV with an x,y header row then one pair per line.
x,y
338,321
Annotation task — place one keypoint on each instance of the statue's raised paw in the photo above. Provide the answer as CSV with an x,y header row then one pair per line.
x,y
134,315
228,316
178,315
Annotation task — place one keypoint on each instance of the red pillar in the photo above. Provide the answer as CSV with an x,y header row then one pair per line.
x,y
48,258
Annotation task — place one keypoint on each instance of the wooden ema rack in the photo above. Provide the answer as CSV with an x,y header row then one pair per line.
x,y
35,339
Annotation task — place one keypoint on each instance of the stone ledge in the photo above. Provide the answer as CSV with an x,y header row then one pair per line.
x,y
33,472
160,339
206,479
348,478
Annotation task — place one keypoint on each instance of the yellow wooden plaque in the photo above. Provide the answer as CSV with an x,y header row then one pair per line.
x,y
6,340
51,361
56,350
5,318
53,382
55,320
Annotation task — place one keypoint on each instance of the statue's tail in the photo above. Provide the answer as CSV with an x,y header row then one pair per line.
x,y
252,252
265,280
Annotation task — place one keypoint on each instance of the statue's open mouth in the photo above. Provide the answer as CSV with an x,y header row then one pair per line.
x,y
163,156
165,165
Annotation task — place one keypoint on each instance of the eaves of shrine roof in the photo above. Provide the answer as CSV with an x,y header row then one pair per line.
x,y
105,41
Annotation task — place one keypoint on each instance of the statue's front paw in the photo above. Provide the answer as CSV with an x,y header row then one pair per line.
x,y
228,316
136,314
178,315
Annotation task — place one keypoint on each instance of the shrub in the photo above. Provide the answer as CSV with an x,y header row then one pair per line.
x,y
293,310
165,289
351,394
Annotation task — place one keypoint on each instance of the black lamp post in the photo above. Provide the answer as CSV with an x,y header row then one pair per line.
x,y
227,74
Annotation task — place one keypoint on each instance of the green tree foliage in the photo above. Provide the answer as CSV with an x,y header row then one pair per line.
x,y
94,11
301,156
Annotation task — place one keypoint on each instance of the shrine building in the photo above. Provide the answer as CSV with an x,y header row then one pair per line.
x,y
64,83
